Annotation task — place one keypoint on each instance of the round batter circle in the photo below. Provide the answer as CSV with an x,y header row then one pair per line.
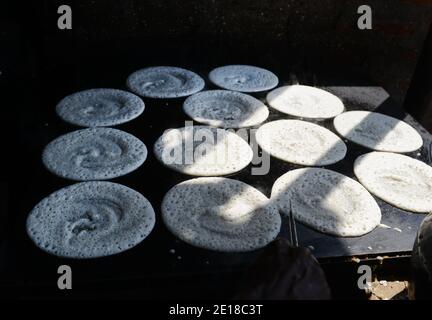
x,y
226,109
402,181
94,154
100,107
327,201
305,102
220,214
300,142
203,151
243,78
164,82
90,220
377,131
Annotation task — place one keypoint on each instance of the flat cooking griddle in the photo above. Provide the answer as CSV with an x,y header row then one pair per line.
x,y
162,254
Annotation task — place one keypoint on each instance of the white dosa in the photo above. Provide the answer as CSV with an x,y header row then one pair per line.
x,y
305,102
327,201
377,131
226,109
220,214
90,219
300,142
400,180
203,151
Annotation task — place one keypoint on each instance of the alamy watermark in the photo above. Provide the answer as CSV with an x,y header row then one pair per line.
x,y
364,22
64,22
65,19
364,282
209,146
65,280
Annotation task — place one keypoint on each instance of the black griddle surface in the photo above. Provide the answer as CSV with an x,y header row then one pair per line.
x,y
22,262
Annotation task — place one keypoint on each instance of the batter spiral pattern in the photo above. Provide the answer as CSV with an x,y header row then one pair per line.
x,y
226,109
243,78
94,154
90,219
100,107
165,82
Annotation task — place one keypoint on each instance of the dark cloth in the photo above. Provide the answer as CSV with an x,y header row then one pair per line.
x,y
421,261
284,272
